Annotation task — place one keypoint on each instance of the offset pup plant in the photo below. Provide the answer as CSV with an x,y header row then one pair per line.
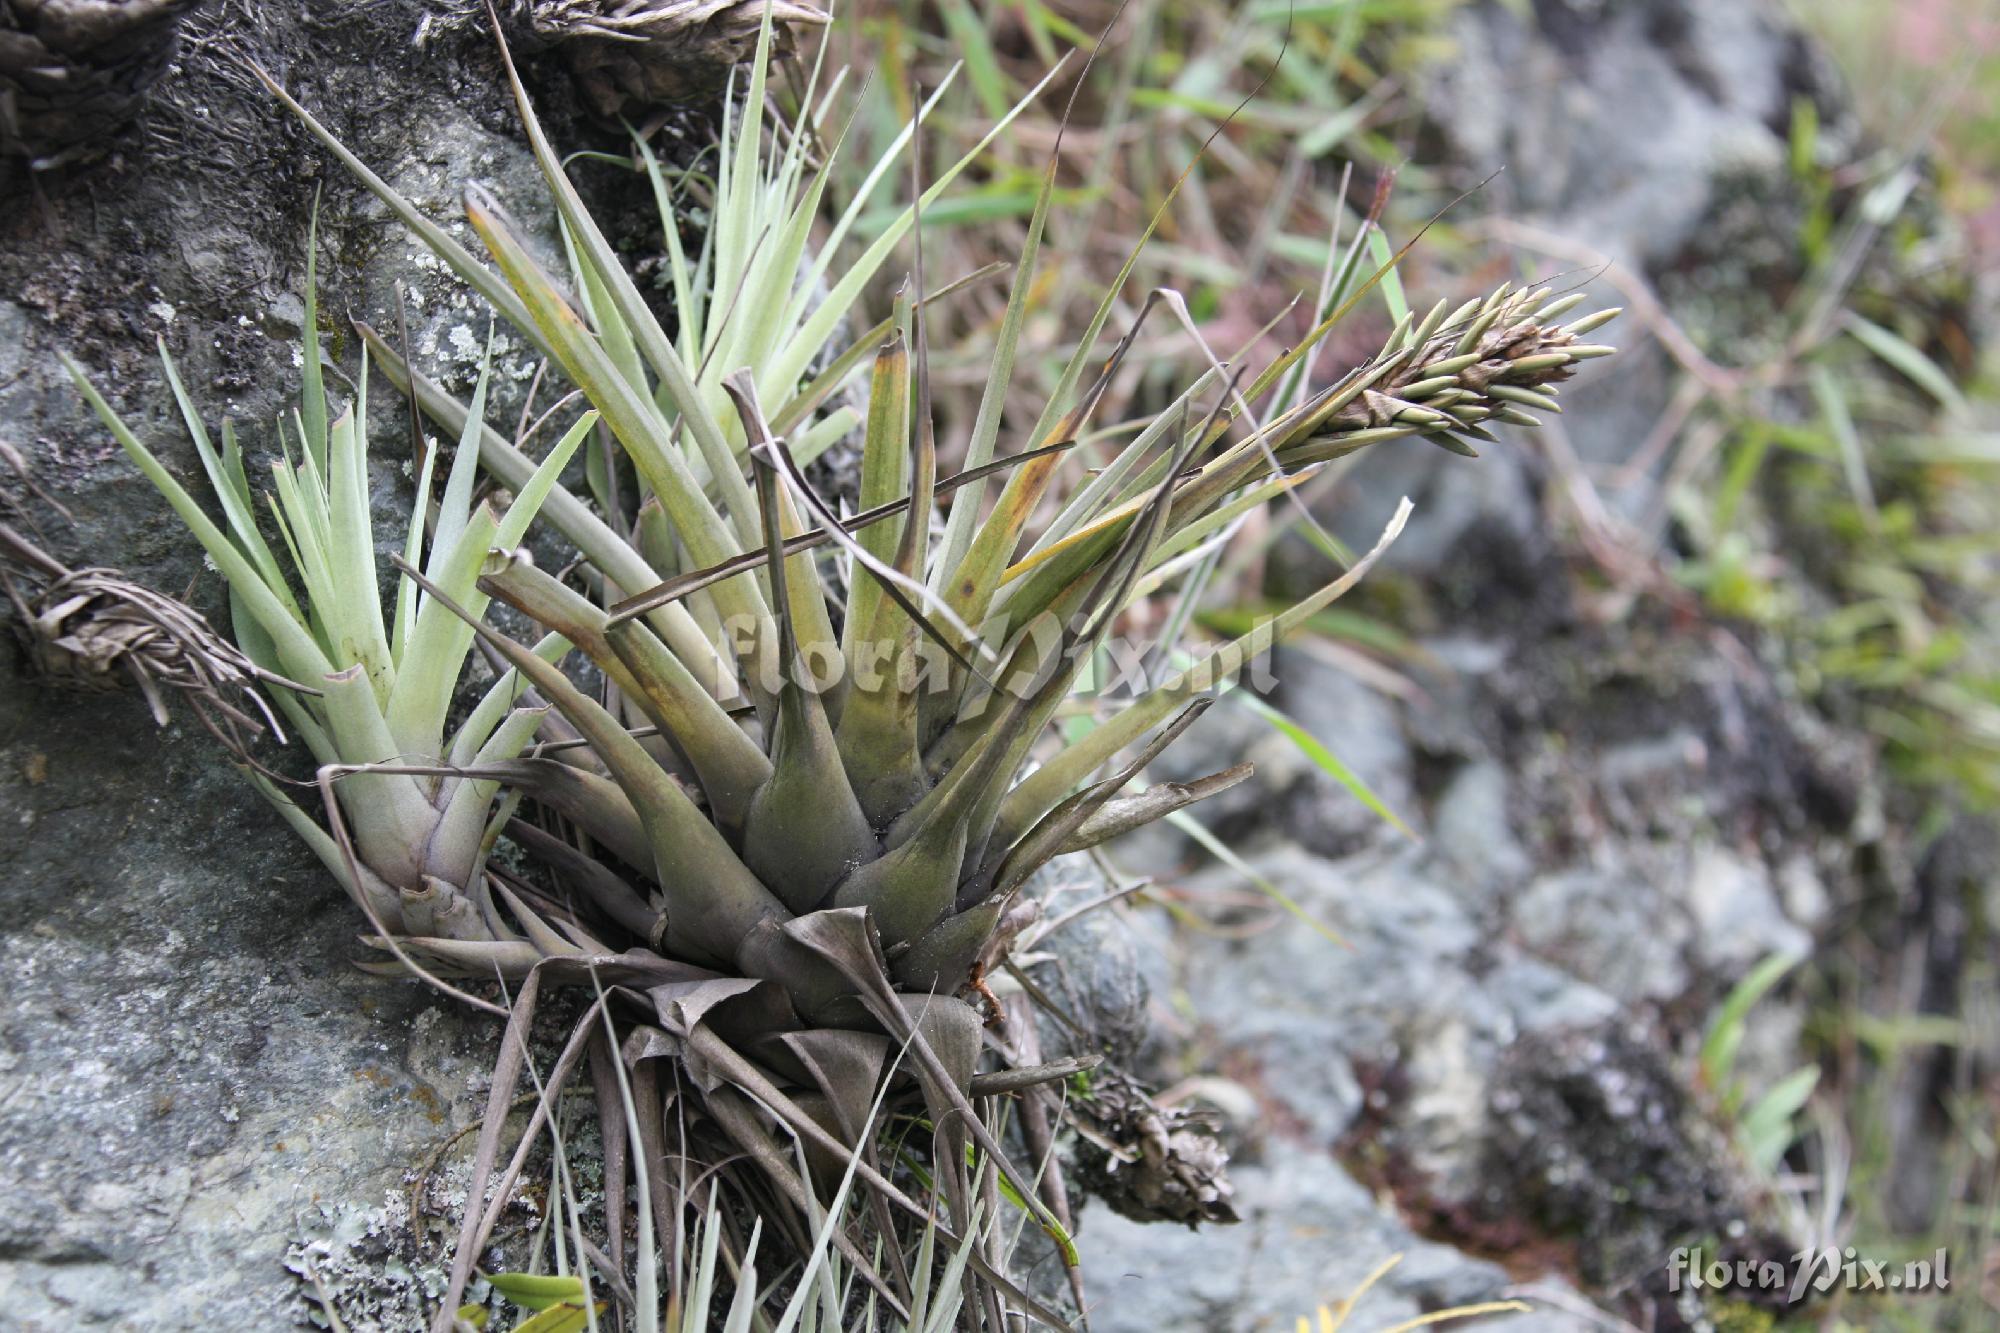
x,y
377,686
793,828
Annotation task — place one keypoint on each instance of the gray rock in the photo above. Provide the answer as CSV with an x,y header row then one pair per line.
x,y
1608,926
1467,514
1090,965
1738,920
1408,1046
194,1072
1310,1236
1289,1011
1473,833
1803,892
1450,724
1289,791
1653,787
195,1078
1541,999
1363,729
1554,94
1453,497
1595,1136
1416,987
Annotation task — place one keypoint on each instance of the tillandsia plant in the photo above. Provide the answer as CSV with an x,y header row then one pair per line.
x,y
794,826
375,686
757,293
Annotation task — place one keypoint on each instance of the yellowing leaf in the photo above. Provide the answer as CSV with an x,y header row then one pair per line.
x,y
564,1318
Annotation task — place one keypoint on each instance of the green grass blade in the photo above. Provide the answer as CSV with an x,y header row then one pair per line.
x,y
958,531
1900,355
1223,852
312,396
417,710
1725,1034
225,476
1323,759
1392,285
596,252
354,612
613,555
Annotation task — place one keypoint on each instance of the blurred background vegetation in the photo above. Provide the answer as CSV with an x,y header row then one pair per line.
x,y
1820,481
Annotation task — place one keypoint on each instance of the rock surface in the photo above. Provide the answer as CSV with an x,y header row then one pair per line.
x,y
1502,1040
194,1076
1310,1236
192,1079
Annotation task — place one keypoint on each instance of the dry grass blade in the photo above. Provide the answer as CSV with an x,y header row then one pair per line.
x,y
900,588
672,590
1057,828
